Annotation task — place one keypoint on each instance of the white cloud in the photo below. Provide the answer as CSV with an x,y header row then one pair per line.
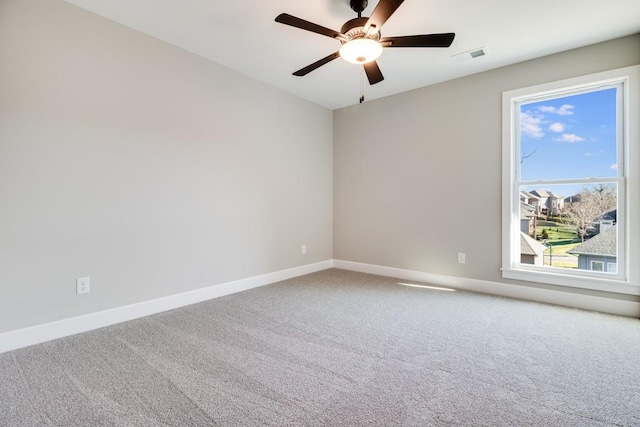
x,y
557,127
564,110
614,166
590,154
530,126
569,137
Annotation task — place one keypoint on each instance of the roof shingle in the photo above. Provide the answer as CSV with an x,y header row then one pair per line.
x,y
600,244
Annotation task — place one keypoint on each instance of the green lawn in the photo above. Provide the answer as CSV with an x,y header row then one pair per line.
x,y
563,264
562,249
560,256
558,231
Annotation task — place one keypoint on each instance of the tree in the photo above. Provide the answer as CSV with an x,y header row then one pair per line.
x,y
526,156
589,205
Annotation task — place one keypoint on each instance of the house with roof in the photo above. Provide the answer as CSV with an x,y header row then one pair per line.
x,y
527,219
576,198
599,253
550,203
531,251
531,200
605,221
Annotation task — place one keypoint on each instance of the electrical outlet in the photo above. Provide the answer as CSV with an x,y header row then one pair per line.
x,y
303,249
83,285
461,257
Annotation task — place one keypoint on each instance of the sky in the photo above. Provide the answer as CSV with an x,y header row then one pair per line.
x,y
569,137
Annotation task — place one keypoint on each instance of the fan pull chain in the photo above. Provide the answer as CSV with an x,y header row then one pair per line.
x,y
362,86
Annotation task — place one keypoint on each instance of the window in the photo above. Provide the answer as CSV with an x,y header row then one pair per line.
x,y
570,182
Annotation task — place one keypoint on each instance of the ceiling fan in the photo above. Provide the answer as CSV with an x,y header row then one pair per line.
x,y
362,42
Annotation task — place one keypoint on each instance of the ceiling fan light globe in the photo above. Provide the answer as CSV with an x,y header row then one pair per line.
x,y
361,51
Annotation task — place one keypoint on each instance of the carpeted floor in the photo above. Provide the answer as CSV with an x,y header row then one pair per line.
x,y
336,348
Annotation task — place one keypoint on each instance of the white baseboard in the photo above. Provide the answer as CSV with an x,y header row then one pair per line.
x,y
48,331
568,299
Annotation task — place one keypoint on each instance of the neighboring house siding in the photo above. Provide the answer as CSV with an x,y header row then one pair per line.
x,y
527,218
585,262
531,259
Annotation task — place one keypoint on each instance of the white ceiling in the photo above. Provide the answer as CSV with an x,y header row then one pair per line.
x,y
243,35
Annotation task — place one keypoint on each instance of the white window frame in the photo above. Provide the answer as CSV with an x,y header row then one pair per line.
x,y
627,278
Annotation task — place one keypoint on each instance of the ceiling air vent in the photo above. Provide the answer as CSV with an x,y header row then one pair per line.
x,y
471,54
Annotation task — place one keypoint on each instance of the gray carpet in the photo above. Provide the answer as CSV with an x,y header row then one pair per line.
x,y
336,348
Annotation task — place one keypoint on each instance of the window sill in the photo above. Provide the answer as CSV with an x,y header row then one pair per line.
x,y
572,281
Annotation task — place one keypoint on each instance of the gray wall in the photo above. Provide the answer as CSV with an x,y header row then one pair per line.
x,y
417,176
147,168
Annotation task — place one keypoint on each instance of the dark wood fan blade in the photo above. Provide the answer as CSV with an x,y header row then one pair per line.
x,y
285,18
424,40
373,72
381,13
309,68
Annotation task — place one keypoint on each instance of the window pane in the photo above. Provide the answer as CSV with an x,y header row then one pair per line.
x,y
569,137
567,156
569,226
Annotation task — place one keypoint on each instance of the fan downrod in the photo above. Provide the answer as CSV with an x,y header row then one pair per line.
x,y
358,6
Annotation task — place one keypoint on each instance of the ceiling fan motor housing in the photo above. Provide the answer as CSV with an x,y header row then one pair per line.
x,y
354,29
358,5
